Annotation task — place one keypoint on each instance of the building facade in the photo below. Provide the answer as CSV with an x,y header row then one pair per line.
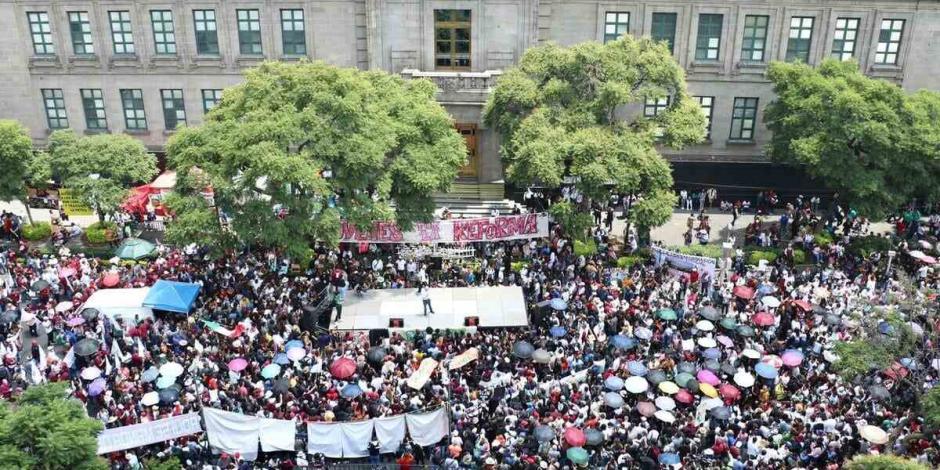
x,y
145,67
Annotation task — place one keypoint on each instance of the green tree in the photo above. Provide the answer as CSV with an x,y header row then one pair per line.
x,y
930,403
875,145
44,429
572,114
16,152
100,168
883,462
298,147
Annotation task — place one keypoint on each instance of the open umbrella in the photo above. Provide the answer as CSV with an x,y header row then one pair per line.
x,y
750,353
720,412
622,342
709,313
171,369
706,342
376,354
637,368
711,403
683,396
724,341
708,377
683,377
613,383
39,285
745,331
763,319
792,357
729,391
832,319
294,343
66,271
665,403
766,371
97,387
575,437
669,458
774,360
687,367
281,358
667,314
541,356
665,416
613,400
350,391
692,386
86,347
523,349
803,305
668,387
743,292
712,365
238,364
744,379
770,301
544,433
708,390
727,368
296,354
656,376
62,307
343,368
646,408
150,399
879,392
90,314
593,437
270,371
558,304
165,382
169,395
704,325
873,434
557,331
75,321
636,384
135,248
643,333
728,323
110,280
9,316
150,374
711,353
577,455
91,373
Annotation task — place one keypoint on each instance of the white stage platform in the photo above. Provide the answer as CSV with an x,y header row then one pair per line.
x,y
495,306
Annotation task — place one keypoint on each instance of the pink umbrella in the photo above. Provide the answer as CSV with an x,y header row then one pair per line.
x,y
724,340
646,408
772,360
683,396
343,368
792,358
66,272
75,321
238,364
575,437
729,391
707,376
110,280
743,292
762,319
804,305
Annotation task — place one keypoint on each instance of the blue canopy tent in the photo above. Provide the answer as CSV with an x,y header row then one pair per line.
x,y
172,296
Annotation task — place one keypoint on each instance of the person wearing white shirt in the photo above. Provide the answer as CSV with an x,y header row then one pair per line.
x,y
424,293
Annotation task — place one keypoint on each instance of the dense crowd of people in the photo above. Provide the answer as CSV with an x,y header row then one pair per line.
x,y
623,366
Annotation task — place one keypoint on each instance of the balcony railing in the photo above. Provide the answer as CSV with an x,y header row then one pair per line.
x,y
479,82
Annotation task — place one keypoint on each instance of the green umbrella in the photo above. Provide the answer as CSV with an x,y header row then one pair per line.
x,y
577,455
667,314
728,323
135,248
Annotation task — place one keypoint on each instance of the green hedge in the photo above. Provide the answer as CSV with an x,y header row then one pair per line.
x,y
865,246
37,231
823,238
755,256
630,260
587,248
799,257
100,233
708,251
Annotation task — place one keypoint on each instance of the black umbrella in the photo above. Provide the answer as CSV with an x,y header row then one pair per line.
x,y
10,316
692,385
150,374
833,319
728,369
879,392
377,354
593,437
169,395
819,310
281,385
86,347
523,349
721,412
90,313
39,285
709,313
712,365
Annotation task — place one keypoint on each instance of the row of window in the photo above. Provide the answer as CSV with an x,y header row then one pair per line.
x,y
132,103
743,115
205,29
754,40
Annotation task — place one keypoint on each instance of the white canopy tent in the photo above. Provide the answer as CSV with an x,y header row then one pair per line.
x,y
120,303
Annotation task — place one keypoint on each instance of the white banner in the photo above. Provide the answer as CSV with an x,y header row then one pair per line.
x,y
504,227
390,431
325,438
137,435
233,432
278,435
684,263
428,428
421,376
356,438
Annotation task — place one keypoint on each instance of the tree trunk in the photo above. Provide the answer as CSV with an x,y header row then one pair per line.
x,y
29,213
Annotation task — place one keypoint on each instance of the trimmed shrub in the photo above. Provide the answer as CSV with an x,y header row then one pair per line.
x,y
756,256
799,257
630,260
823,238
866,246
586,248
37,231
100,233
707,251
883,462
517,266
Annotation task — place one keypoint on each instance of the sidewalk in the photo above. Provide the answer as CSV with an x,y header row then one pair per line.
x,y
42,215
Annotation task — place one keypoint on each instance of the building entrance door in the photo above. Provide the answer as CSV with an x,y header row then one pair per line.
x,y
469,133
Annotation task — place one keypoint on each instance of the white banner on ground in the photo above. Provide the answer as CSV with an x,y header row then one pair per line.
x,y
390,431
504,227
278,435
137,435
356,438
325,438
428,428
421,376
684,263
233,432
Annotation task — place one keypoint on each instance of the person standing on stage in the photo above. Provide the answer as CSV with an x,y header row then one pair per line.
x,y
425,294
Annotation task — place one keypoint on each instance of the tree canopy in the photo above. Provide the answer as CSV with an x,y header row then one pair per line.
x,y
46,430
298,147
575,114
875,145
16,150
100,168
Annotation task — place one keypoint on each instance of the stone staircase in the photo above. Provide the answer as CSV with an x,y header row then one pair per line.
x,y
471,199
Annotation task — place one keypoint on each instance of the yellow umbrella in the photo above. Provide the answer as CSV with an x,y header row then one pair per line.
x,y
668,387
708,390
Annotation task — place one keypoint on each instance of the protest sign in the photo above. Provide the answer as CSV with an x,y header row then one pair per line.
x,y
137,435
506,227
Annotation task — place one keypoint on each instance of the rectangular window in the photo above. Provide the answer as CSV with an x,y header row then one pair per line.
x,y
707,104
844,38
708,41
174,111
653,107
616,24
133,103
210,98
293,38
41,32
801,37
249,32
207,37
452,39
743,119
54,102
755,38
121,34
664,29
164,35
889,41
93,103
80,29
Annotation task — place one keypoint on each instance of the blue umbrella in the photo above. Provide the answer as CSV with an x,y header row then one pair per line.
x,y
623,342
294,343
523,349
165,382
885,328
614,383
765,289
637,368
669,459
270,370
613,400
350,391
557,331
643,333
558,304
712,353
766,371
909,362
281,359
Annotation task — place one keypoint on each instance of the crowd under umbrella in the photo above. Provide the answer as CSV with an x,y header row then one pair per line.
x,y
729,392
656,376
763,319
150,374
873,434
110,280
665,416
750,353
622,342
376,354
281,359
687,367
164,382
727,369
90,373
745,331
613,383
557,331
544,433
577,455
711,353
270,371
709,313
744,379
575,437
171,369
9,316
637,368
792,357
294,343
343,368
86,347
669,458
523,349
135,248
682,378
643,333
706,342
724,341
728,323
238,364
280,385
708,377
665,403
593,437
89,314
720,412
684,397
667,314
711,365
613,400
169,395
296,354
636,384
668,387
558,304
150,399
879,392
766,371
646,408
832,319
350,391
704,325
541,356
39,285
97,387
75,321
743,292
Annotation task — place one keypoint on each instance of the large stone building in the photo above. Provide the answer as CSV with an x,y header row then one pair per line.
x,y
144,67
